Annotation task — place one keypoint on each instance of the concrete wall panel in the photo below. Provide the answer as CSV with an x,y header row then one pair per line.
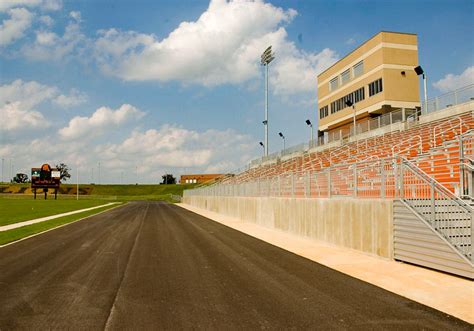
x,y
364,225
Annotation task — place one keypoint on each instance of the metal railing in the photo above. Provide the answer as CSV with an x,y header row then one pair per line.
x,y
381,178
449,99
449,215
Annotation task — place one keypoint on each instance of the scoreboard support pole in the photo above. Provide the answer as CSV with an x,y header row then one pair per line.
x,y
34,192
56,194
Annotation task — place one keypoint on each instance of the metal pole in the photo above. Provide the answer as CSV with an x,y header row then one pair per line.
x,y
353,107
284,145
77,181
3,161
99,173
312,132
266,110
426,95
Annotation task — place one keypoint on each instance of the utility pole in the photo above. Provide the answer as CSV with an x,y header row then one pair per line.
x,y
3,161
99,174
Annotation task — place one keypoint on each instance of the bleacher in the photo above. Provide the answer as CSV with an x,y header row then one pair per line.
x,y
434,147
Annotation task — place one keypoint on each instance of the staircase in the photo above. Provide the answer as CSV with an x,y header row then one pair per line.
x,y
432,226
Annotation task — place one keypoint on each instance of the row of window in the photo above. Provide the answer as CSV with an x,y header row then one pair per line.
x,y
191,181
323,112
346,76
356,96
375,87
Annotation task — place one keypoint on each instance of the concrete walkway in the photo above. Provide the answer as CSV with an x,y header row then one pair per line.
x,y
450,294
47,218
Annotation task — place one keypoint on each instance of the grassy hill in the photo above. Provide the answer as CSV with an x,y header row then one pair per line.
x,y
111,192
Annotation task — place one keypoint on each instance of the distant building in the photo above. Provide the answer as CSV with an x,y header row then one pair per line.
x,y
198,178
377,77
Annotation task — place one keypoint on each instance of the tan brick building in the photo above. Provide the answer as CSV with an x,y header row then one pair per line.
x,y
377,77
198,178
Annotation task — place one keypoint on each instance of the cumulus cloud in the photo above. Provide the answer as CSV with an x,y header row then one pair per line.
x,y
19,99
101,120
170,148
30,94
173,146
222,46
15,117
74,98
15,26
42,4
49,45
452,82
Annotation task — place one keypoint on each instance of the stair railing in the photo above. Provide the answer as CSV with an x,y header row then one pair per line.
x,y
447,214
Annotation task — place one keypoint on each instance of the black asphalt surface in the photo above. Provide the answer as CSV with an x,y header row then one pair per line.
x,y
152,265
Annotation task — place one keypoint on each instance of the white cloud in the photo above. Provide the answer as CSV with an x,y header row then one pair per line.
x,y
15,26
15,117
452,82
46,20
76,15
74,98
30,94
170,148
101,120
50,46
223,46
42,4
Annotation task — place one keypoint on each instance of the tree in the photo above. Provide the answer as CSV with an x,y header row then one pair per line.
x,y
168,179
64,171
20,178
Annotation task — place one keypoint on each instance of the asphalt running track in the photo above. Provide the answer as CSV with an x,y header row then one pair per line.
x,y
152,265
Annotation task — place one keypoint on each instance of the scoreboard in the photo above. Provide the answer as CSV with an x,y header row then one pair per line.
x,y
45,178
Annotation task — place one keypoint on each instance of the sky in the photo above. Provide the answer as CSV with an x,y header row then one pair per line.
x,y
142,88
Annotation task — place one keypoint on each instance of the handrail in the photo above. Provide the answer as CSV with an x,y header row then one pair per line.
x,y
461,122
430,180
461,212
408,147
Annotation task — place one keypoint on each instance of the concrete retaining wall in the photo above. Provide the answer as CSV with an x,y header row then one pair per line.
x,y
364,225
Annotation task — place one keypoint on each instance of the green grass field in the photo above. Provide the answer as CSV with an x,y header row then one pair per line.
x,y
18,210
20,207
25,231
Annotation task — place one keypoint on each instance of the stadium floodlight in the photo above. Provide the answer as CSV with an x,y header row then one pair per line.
x,y
282,137
265,59
349,103
308,122
419,71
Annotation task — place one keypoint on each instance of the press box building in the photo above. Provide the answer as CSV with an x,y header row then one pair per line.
x,y
377,77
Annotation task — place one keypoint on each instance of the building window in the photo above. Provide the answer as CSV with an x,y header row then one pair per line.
x,y
356,96
345,76
358,69
334,83
375,87
323,112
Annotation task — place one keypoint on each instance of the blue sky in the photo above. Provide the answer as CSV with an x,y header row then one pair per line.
x,y
175,86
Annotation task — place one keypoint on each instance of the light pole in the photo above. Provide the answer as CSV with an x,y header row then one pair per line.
x,y
265,59
349,104
3,161
98,180
308,122
77,181
419,71
282,137
263,145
